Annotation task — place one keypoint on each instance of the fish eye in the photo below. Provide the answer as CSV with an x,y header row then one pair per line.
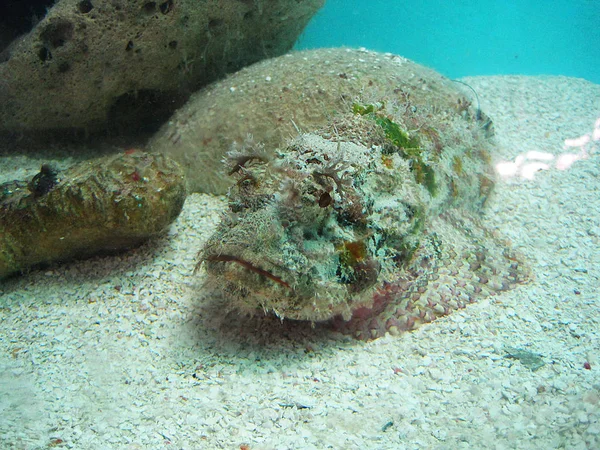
x,y
325,200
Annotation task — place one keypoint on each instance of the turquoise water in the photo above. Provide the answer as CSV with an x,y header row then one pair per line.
x,y
459,38
144,348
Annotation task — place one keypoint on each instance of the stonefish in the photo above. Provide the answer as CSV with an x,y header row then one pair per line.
x,y
369,223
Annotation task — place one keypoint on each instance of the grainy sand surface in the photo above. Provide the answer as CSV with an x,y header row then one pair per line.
x,y
127,352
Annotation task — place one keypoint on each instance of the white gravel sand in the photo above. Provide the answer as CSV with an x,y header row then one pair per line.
x,y
128,353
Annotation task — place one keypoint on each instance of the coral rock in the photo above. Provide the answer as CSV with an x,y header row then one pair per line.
x,y
93,64
108,204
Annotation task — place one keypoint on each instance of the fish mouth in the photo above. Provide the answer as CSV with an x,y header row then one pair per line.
x,y
248,266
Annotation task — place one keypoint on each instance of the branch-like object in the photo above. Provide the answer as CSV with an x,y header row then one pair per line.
x,y
103,205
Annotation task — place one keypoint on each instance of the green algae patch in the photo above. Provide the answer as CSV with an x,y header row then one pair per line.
x,y
363,109
406,145
399,138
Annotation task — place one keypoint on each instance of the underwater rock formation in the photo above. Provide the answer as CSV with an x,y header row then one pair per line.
x,y
369,222
93,64
108,204
273,98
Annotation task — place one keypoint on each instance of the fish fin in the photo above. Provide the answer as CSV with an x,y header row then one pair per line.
x,y
458,262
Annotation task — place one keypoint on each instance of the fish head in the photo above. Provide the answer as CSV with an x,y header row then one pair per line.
x,y
298,239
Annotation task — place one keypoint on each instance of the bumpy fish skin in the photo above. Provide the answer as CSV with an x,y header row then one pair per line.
x,y
370,222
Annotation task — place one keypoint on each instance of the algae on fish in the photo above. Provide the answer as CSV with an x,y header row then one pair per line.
x,y
340,224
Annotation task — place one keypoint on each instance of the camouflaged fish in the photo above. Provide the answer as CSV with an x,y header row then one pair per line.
x,y
369,223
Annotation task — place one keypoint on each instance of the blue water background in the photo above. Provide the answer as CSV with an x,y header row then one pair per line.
x,y
469,37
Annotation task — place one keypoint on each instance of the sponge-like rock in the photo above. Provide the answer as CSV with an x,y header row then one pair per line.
x,y
90,64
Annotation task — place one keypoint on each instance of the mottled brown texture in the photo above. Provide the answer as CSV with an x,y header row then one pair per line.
x,y
104,205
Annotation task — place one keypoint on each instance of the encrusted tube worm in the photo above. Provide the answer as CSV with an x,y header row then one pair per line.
x,y
369,223
104,205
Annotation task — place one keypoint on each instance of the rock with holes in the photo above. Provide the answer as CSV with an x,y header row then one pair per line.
x,y
92,64
368,224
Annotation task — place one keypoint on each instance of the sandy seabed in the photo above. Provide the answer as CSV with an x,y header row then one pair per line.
x,y
127,352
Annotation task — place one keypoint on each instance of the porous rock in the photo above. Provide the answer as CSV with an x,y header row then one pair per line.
x,y
276,98
90,64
